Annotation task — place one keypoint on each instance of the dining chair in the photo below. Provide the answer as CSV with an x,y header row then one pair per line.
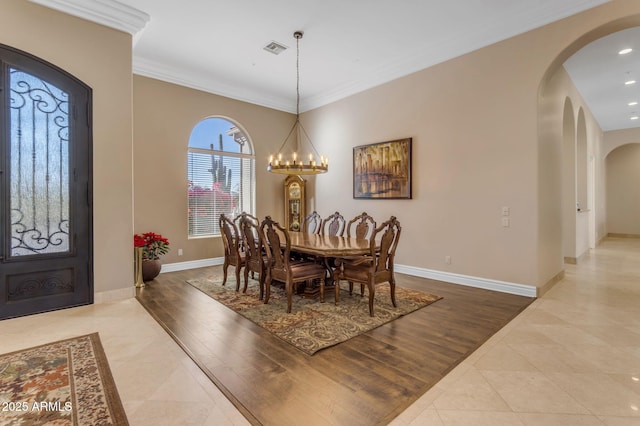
x,y
255,256
237,220
233,253
281,267
312,223
242,215
376,267
333,225
361,226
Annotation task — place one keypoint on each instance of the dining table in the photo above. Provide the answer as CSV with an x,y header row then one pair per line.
x,y
328,245
325,248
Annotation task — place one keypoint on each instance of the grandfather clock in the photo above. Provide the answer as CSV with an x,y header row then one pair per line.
x,y
294,202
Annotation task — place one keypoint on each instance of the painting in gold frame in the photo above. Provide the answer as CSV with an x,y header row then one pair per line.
x,y
382,170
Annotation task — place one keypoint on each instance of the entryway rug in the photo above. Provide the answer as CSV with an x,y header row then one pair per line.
x,y
67,382
311,325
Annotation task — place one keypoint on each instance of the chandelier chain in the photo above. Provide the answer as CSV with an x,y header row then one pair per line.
x,y
298,166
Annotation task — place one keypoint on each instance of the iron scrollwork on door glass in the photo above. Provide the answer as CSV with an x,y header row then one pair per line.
x,y
39,176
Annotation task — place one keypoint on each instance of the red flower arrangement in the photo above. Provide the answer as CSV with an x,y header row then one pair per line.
x,y
153,245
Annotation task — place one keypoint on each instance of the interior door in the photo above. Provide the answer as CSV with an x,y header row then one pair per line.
x,y
46,259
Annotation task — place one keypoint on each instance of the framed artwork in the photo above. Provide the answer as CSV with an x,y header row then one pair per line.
x,y
382,170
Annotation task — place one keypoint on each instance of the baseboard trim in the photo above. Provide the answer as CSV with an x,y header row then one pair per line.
x,y
549,284
614,235
192,264
487,284
495,285
114,295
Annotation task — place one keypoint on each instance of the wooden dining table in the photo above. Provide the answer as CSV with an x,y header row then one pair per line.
x,y
326,248
328,245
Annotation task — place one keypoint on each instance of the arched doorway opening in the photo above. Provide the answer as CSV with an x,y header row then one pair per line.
x,y
563,232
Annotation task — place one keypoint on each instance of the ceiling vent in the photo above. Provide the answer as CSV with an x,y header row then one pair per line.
x,y
275,48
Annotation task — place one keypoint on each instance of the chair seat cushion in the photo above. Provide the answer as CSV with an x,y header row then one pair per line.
x,y
299,270
358,273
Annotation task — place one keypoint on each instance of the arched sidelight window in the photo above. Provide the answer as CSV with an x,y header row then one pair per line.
x,y
221,174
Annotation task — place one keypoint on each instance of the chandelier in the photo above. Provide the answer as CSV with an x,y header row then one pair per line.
x,y
295,165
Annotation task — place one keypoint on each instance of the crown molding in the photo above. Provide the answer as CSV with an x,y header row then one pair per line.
x,y
109,13
181,77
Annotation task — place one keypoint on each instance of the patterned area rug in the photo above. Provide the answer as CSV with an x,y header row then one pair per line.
x,y
311,325
62,383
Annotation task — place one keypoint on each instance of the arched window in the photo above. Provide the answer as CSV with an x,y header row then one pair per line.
x,y
221,175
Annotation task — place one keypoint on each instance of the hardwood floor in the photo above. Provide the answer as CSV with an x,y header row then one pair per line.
x,y
367,380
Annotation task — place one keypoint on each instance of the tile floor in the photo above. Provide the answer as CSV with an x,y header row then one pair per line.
x,y
571,358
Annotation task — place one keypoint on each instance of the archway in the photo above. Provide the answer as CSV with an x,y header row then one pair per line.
x,y
556,225
568,182
623,199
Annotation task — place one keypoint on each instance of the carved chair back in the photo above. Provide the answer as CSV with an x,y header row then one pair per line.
x,y
252,239
245,215
361,226
230,238
312,223
254,245
278,256
334,225
388,234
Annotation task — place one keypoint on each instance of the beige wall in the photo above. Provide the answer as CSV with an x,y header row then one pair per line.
x,y
622,177
101,58
614,139
477,124
164,115
474,121
565,122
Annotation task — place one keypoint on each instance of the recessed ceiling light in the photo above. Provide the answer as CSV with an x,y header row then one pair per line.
x,y
625,51
635,117
633,103
630,82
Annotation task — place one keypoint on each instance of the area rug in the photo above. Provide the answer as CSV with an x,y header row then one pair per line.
x,y
311,325
67,382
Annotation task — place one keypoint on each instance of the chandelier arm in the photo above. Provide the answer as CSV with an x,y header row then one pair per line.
x,y
289,135
309,139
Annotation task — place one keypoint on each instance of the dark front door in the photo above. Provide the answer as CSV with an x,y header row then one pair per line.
x,y
46,260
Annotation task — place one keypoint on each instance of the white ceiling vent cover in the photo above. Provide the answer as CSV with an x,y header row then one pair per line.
x,y
275,48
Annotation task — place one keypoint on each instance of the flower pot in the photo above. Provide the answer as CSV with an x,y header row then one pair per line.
x,y
150,269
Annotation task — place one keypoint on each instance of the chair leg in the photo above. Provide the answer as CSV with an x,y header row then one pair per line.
x,y
350,288
261,280
322,291
372,294
224,271
336,291
289,288
392,286
267,289
246,279
361,290
238,277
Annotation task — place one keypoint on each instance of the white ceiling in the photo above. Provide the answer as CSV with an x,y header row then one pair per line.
x,y
599,73
348,45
